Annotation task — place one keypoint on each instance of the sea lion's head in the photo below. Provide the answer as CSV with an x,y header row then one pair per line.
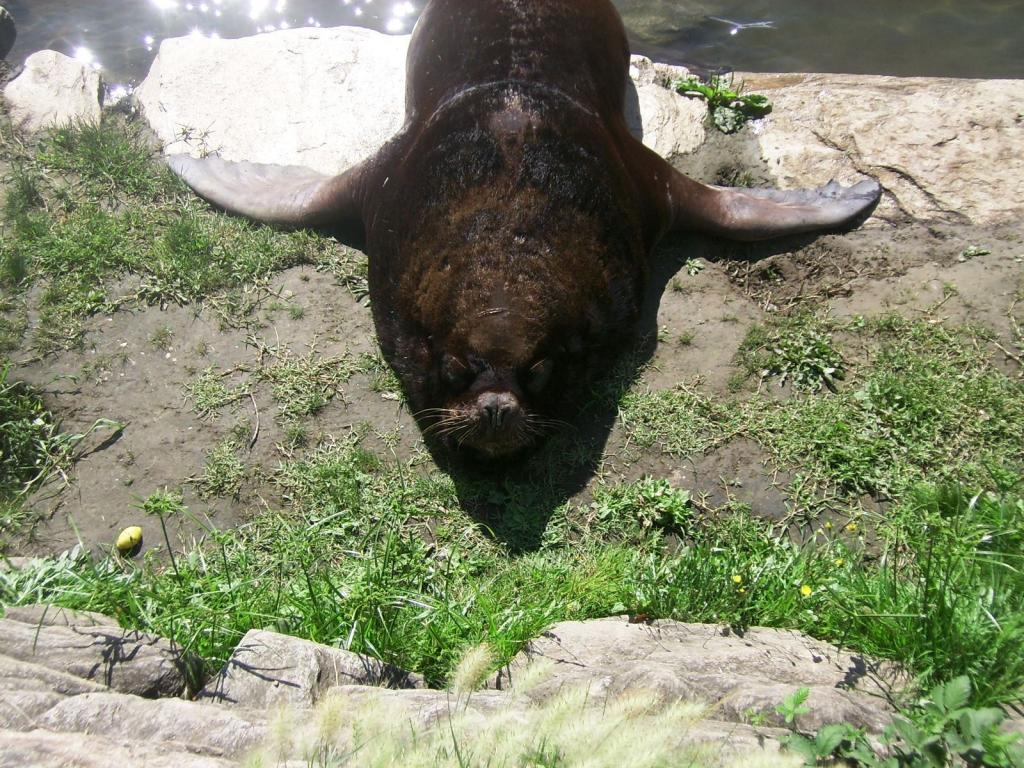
x,y
514,262
506,325
498,377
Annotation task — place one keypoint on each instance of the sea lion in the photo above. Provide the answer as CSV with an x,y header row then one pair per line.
x,y
509,223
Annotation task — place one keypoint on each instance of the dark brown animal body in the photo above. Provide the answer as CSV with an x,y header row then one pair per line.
x,y
509,223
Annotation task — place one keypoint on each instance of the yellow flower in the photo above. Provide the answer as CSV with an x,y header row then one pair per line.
x,y
737,579
851,527
742,591
840,562
828,526
806,590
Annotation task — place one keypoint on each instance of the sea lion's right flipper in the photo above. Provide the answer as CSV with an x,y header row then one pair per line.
x,y
760,214
284,195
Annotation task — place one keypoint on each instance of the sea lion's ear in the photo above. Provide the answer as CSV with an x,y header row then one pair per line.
x,y
760,214
284,195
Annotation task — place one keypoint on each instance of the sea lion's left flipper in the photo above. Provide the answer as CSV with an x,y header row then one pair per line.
x,y
759,214
284,195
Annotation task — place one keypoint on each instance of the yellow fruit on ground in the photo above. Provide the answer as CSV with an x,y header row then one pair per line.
x,y
129,539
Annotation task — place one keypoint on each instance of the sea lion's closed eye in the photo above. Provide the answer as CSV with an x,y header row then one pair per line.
x,y
454,372
539,375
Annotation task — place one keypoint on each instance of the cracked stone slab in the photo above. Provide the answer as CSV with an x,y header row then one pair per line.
x,y
323,98
201,728
29,690
736,675
947,149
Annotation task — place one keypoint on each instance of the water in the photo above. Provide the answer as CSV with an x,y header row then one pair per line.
x,y
951,38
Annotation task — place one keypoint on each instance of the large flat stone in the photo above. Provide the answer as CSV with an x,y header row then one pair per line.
x,y
737,675
80,750
323,98
268,669
29,690
179,725
125,660
943,148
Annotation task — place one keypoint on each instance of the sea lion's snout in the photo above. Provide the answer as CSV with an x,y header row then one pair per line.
x,y
498,424
498,410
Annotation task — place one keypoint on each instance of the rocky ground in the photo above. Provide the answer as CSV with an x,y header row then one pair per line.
x,y
76,689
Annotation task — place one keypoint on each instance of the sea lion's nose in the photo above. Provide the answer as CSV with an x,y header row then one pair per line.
x,y
497,408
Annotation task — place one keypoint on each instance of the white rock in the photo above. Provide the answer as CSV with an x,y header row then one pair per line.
x,y
323,98
665,121
53,90
697,662
328,98
41,748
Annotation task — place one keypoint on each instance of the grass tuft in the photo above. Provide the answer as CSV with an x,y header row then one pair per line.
x,y
572,728
111,157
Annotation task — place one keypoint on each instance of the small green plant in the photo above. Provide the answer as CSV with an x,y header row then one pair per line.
x,y
303,384
162,505
693,267
652,503
224,472
209,392
798,350
730,109
941,730
794,705
161,339
973,251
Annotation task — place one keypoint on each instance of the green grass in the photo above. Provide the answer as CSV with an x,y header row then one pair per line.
x,y
795,349
111,158
929,407
302,385
28,444
916,402
96,225
32,449
679,422
223,473
366,554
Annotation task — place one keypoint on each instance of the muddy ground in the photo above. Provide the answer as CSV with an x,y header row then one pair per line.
x,y
137,368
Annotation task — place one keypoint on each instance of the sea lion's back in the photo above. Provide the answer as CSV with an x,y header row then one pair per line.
x,y
578,47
